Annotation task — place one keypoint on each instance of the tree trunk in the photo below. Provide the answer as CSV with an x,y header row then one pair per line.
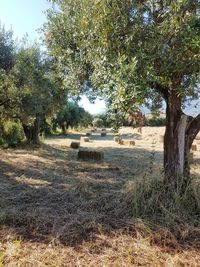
x,y
64,129
174,142
32,132
193,127
179,135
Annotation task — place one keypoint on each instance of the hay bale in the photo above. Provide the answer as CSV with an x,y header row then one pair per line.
x,y
121,142
90,154
75,145
103,133
161,138
194,147
197,137
116,139
191,157
129,142
84,139
88,134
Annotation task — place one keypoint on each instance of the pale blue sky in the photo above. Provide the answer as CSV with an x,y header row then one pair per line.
x,y
27,16
24,16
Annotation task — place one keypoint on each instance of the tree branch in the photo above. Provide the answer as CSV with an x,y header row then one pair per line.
x,y
193,129
160,89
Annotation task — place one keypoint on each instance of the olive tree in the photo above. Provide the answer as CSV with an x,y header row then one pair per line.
x,y
135,52
33,81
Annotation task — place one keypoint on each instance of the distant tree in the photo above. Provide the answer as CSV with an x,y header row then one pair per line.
x,y
36,89
8,94
85,118
7,50
98,122
67,116
103,120
30,89
71,115
107,122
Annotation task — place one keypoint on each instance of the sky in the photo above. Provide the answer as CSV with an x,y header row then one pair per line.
x,y
27,17
23,16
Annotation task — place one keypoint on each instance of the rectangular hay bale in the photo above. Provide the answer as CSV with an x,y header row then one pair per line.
x,y
197,137
90,154
129,142
103,134
194,147
75,145
84,139
116,139
121,142
161,137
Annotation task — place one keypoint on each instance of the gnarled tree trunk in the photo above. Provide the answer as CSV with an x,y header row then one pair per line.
x,y
179,135
64,129
193,127
32,132
172,144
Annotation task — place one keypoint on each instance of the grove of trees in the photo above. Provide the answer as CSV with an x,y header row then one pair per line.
x,y
134,53
31,93
71,115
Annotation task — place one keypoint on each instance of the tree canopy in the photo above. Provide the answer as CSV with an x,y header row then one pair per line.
x,y
135,52
128,48
32,93
71,115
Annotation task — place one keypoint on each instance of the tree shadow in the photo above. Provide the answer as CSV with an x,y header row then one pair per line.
x,y
96,136
45,212
50,196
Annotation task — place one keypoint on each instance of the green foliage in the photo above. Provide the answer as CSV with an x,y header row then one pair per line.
x,y
155,121
8,94
106,120
11,133
27,91
6,49
71,115
132,51
33,81
86,118
98,122
152,199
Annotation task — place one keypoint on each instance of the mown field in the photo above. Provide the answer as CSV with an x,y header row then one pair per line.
x,y
57,210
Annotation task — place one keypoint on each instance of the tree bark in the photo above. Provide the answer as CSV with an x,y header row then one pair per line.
x,y
193,127
172,151
64,129
32,132
179,136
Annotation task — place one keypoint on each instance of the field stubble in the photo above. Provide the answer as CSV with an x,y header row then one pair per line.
x,y
56,210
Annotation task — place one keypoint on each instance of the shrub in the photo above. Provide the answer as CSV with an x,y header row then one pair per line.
x,y
97,122
155,122
153,200
11,133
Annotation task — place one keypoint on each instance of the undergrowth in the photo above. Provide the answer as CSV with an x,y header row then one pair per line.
x,y
158,206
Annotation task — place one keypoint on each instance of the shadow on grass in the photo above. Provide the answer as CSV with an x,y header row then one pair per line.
x,y
76,136
48,195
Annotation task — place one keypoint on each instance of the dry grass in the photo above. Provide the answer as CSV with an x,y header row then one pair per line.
x,y
56,210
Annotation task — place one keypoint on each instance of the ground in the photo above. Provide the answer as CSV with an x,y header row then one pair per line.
x,y
57,210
